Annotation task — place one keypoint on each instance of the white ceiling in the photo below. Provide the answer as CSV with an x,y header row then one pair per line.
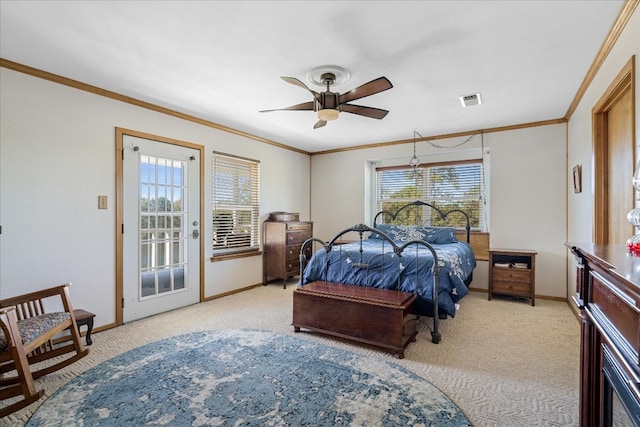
x,y
221,60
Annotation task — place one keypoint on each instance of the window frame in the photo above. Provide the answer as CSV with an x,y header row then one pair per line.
x,y
483,214
234,168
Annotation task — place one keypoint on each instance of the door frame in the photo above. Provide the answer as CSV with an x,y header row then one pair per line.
x,y
119,206
623,82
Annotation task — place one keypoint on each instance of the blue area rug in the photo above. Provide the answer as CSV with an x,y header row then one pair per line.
x,y
246,377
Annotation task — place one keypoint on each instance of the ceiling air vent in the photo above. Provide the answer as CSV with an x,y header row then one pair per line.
x,y
470,100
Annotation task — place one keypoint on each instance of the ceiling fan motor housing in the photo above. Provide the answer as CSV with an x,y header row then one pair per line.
x,y
330,100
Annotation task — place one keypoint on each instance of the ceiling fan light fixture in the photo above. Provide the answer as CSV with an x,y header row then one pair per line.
x,y
328,114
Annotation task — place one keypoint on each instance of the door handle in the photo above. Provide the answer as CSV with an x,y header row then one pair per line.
x,y
195,234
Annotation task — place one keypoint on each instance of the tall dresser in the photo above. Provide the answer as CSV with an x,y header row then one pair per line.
x,y
283,235
608,296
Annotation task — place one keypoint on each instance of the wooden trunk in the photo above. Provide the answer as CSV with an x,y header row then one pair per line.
x,y
379,317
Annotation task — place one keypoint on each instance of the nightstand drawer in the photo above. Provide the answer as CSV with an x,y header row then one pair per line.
x,y
515,288
512,274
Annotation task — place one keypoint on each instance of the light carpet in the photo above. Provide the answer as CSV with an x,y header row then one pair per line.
x,y
246,377
503,362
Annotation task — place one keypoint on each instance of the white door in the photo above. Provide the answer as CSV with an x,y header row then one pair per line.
x,y
161,227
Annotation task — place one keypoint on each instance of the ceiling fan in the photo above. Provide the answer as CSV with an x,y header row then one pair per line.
x,y
329,104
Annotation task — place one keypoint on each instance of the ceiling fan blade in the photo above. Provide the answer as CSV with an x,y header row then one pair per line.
x,y
374,86
298,107
319,124
297,82
374,113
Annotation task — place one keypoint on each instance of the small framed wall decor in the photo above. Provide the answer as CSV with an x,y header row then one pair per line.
x,y
577,179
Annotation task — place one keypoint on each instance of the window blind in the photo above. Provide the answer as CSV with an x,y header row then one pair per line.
x,y
236,204
455,185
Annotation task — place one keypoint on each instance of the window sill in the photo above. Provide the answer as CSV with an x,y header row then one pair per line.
x,y
226,257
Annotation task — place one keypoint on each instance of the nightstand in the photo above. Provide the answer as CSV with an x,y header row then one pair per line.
x,y
512,272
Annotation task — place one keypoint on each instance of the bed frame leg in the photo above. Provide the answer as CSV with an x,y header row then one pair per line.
x,y
436,337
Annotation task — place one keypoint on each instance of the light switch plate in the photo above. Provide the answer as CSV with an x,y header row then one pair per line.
x,y
102,202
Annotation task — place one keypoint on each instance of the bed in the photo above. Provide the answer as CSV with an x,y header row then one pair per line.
x,y
428,262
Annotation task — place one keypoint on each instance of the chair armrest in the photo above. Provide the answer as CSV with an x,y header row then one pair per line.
x,y
5,310
9,327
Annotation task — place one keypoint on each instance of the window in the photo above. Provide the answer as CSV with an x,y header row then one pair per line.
x,y
450,185
163,240
236,204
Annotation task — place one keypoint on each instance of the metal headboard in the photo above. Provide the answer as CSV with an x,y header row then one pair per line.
x,y
443,215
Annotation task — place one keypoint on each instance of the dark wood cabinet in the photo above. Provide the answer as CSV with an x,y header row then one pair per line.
x,y
608,297
283,236
512,272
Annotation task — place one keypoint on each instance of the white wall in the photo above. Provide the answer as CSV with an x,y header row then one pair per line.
x,y
580,206
527,200
57,154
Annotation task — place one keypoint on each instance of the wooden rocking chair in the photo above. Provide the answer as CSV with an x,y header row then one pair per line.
x,y
27,340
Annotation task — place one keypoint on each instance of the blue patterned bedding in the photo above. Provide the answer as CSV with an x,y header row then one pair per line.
x,y
380,267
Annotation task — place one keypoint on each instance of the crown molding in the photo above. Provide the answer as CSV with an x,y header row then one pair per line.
x,y
626,11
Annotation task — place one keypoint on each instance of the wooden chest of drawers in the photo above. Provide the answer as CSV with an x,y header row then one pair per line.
x,y
512,272
281,248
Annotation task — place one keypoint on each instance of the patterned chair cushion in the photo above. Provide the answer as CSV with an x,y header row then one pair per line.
x,y
33,327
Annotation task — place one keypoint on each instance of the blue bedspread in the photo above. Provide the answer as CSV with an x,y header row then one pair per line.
x,y
380,267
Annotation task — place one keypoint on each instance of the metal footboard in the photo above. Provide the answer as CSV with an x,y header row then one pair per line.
x,y
363,231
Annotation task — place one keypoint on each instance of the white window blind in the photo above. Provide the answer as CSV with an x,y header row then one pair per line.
x,y
453,185
236,204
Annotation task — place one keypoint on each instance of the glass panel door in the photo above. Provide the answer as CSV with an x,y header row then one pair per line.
x,y
161,217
